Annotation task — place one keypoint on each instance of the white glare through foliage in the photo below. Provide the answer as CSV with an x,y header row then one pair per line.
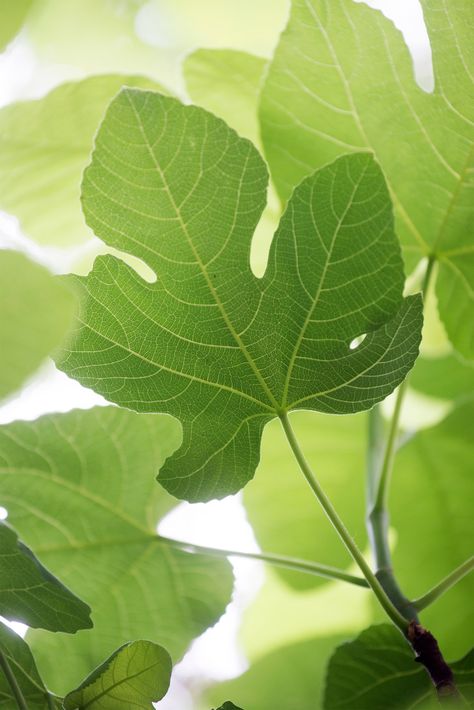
x,y
408,17
215,655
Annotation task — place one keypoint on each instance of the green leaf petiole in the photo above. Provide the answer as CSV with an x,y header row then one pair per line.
x,y
12,682
445,584
293,563
342,531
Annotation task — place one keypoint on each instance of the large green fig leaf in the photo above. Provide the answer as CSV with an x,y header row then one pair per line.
x,y
378,670
35,314
45,146
80,488
30,594
336,448
342,80
224,351
17,661
431,510
135,675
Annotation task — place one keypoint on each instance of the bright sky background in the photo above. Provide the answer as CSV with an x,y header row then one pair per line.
x,y
23,76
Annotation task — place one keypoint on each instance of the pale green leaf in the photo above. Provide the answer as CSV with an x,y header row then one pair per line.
x,y
136,675
35,314
30,594
150,37
290,678
16,659
378,670
227,83
335,447
342,80
208,342
431,511
45,145
80,487
281,616
447,377
12,16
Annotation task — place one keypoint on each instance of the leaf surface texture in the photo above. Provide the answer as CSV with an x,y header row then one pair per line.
x,y
342,80
136,675
208,342
80,490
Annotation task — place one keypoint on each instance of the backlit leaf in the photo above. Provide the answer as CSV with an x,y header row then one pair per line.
x,y
342,80
227,83
446,377
290,678
30,594
224,351
136,675
378,670
45,145
16,658
80,488
431,511
35,314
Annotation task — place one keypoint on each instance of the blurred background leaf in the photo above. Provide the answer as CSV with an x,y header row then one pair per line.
x,y
94,473
36,312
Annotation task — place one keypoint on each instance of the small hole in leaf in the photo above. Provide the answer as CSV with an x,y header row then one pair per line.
x,y
3,513
357,341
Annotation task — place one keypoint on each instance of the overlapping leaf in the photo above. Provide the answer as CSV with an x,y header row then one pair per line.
x,y
224,351
378,670
45,145
135,675
35,314
431,510
342,80
80,488
29,593
16,659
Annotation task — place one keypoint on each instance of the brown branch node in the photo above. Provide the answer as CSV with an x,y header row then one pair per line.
x,y
427,652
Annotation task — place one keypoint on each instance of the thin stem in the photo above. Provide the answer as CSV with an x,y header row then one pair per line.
x,y
292,563
381,496
342,531
444,585
377,520
379,485
52,702
380,502
12,682
377,524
